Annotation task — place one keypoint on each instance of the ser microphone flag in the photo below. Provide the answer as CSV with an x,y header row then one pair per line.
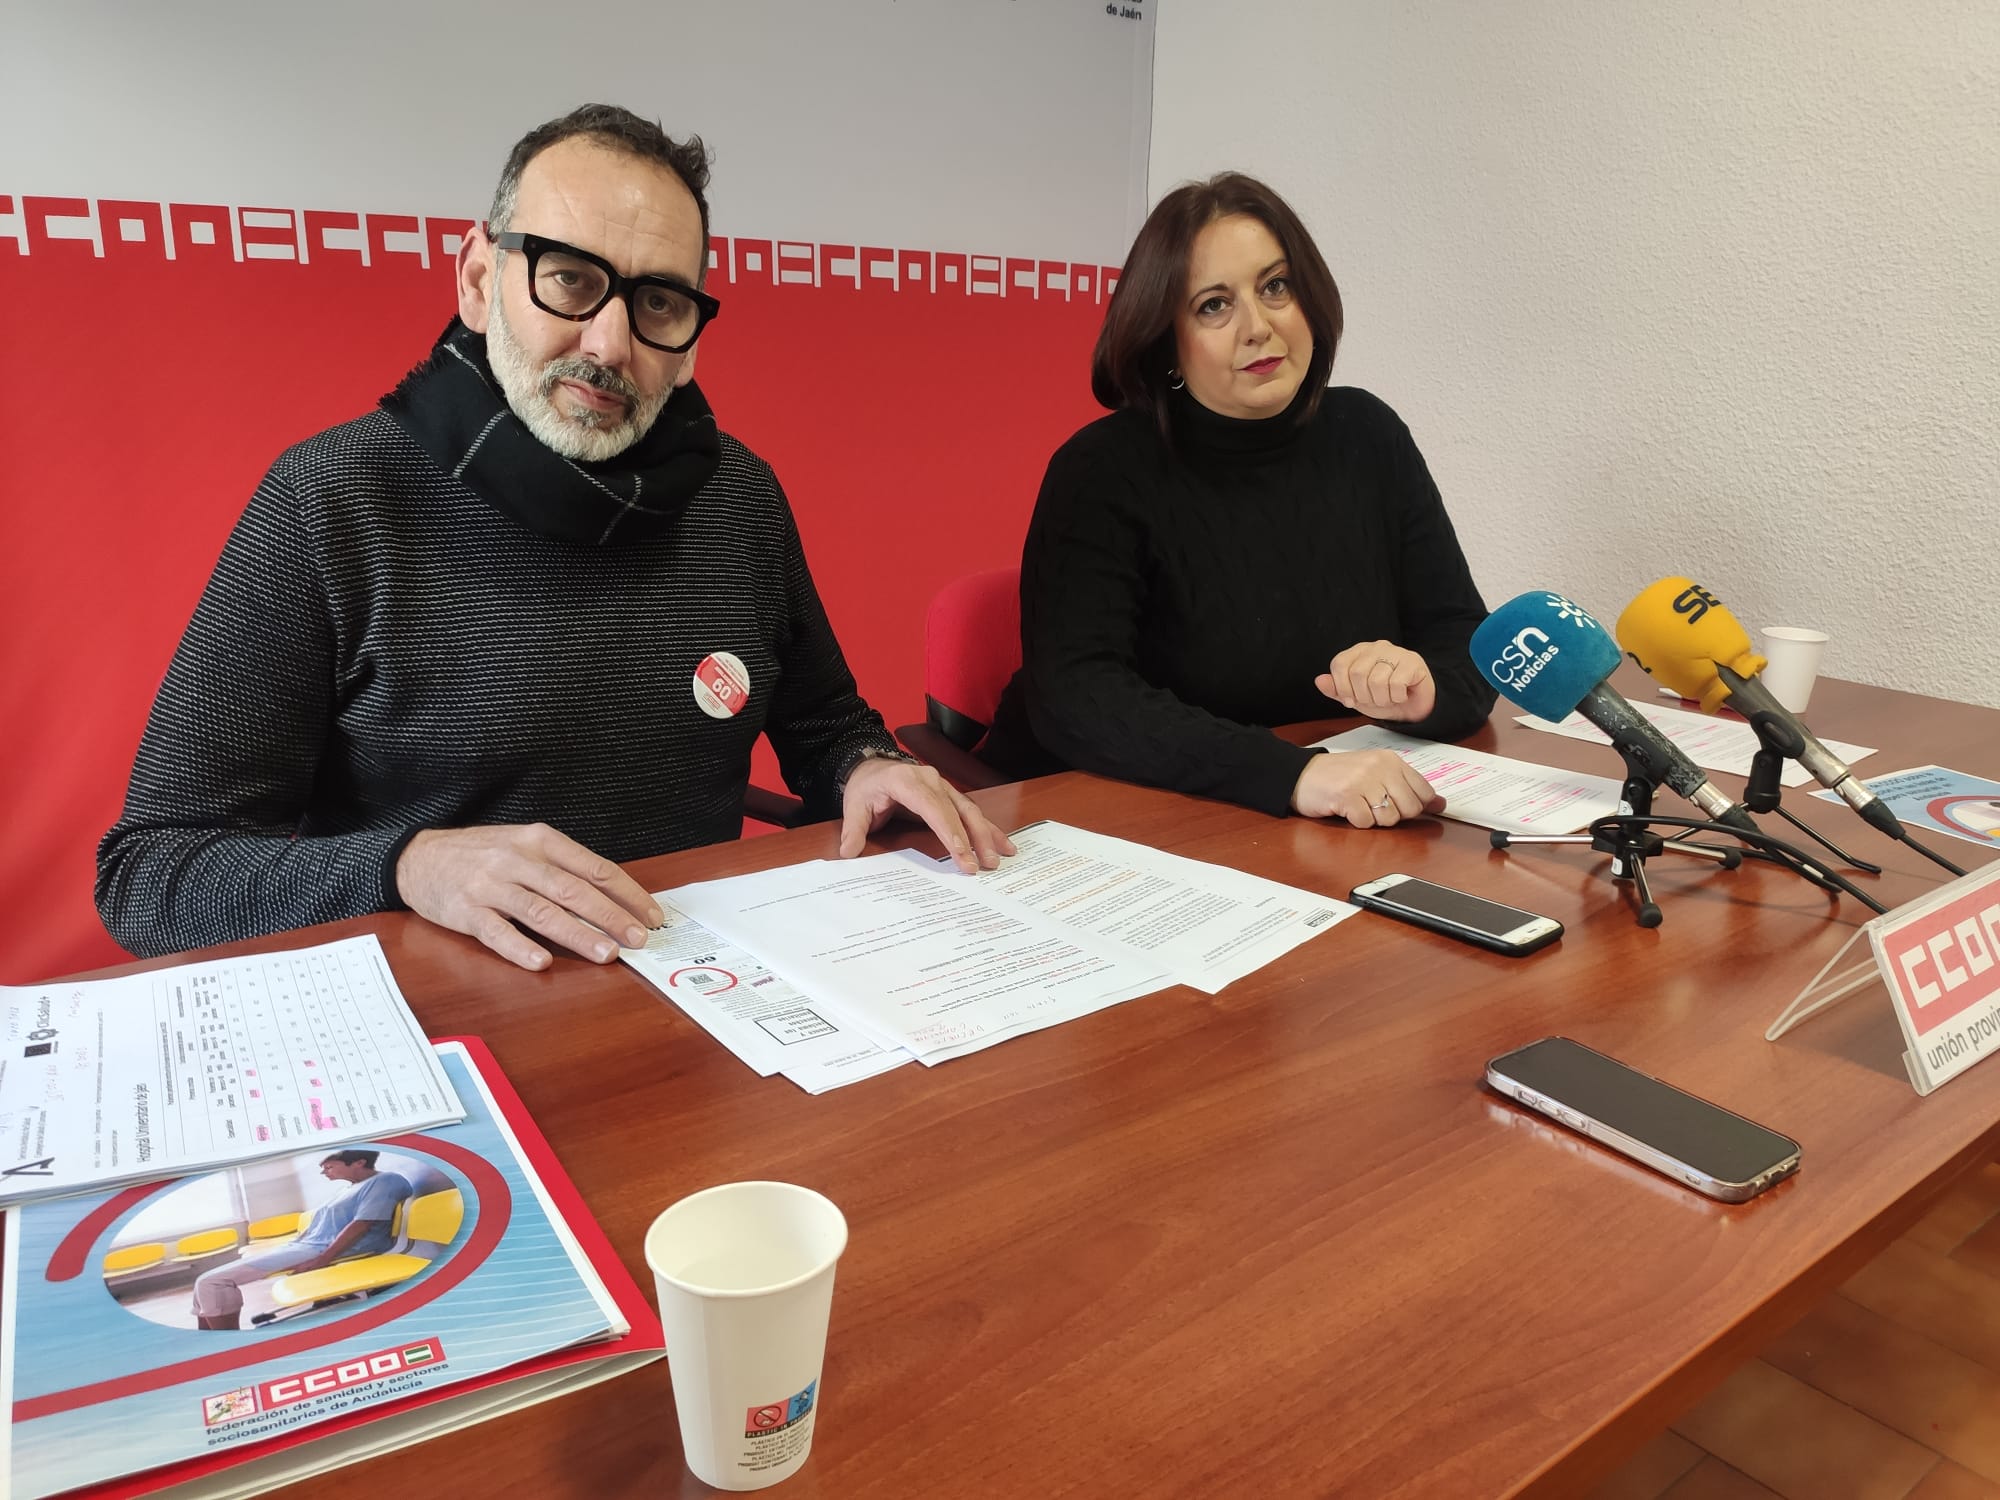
x,y
1682,634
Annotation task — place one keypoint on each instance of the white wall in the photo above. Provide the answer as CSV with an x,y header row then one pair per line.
x,y
824,118
1707,288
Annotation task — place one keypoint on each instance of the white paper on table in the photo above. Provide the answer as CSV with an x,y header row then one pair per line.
x,y
208,1064
752,1011
1492,791
915,957
1714,744
1208,923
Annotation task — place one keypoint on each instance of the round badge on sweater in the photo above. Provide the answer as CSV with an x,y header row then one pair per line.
x,y
722,685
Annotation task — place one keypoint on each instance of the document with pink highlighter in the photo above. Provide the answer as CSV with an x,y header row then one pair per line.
x,y
1492,791
911,957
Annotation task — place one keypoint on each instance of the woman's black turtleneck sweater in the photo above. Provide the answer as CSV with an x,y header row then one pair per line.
x,y
1175,599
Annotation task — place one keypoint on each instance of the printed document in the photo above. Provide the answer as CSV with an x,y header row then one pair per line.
x,y
1492,791
207,1064
921,959
1714,744
1208,924
914,957
752,1011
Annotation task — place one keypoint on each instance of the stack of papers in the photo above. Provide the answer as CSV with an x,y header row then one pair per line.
x,y
753,1012
832,971
500,1291
208,1064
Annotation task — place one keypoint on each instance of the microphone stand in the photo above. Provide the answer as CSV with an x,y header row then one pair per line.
x,y
1779,742
1776,744
1632,844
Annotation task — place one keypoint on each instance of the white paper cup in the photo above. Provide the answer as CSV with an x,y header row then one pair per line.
x,y
744,1274
1793,657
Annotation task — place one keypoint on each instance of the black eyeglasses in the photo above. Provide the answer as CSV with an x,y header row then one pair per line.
x,y
574,284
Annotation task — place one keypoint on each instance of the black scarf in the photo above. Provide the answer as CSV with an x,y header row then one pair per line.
x,y
454,408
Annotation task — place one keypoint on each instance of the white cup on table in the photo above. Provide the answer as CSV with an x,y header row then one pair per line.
x,y
744,1273
1792,656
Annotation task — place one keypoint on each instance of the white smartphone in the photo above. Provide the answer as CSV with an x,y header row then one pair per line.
x,y
1504,929
1711,1149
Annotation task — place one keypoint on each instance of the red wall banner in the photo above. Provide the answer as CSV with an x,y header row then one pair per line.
x,y
907,397
227,226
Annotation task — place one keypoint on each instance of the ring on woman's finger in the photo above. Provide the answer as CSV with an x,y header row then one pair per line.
x,y
1386,800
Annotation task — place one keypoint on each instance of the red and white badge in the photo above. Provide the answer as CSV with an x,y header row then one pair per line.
x,y
722,685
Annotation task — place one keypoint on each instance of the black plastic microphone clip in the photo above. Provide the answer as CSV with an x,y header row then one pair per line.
x,y
1779,741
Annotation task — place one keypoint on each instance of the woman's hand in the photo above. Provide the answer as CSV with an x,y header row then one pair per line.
x,y
1382,680
1369,788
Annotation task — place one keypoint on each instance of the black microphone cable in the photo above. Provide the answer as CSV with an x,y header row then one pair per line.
x,y
1930,854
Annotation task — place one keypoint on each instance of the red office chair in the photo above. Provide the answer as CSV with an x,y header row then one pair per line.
x,y
779,809
972,646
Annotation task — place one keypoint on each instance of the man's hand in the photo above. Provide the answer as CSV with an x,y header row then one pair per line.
x,y
481,881
1369,788
1382,680
876,788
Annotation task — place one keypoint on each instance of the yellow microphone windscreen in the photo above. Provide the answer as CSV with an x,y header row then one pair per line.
x,y
1678,631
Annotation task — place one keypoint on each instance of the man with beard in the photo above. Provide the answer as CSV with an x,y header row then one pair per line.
x,y
523,621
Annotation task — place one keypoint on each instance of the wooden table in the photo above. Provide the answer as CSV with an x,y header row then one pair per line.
x,y
1275,1242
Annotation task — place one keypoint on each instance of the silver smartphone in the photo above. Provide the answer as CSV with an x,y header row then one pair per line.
x,y
1504,929
1690,1140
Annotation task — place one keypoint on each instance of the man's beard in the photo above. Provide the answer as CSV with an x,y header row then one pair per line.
x,y
586,435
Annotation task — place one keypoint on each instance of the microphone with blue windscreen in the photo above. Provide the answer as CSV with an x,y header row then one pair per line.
x,y
1550,656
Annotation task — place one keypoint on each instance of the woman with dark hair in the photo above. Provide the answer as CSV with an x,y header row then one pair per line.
x,y
1237,545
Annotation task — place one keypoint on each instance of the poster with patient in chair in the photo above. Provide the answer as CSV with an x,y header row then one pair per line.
x,y
217,1316
275,1240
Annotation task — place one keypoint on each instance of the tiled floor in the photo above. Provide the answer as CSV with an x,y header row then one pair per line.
x,y
1888,1390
